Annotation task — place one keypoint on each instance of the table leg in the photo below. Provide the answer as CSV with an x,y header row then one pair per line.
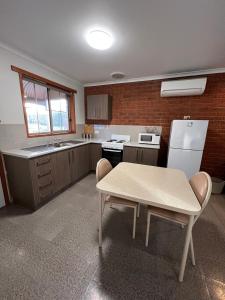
x,y
186,247
100,219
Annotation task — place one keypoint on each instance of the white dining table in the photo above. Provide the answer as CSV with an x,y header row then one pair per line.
x,y
160,187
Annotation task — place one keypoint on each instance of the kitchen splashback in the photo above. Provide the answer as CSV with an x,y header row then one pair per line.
x,y
14,135
105,131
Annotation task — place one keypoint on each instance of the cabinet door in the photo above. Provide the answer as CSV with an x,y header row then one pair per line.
x,y
96,155
79,162
98,107
61,170
83,160
130,154
73,162
148,156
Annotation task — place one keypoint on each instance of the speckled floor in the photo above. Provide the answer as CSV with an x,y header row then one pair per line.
x,y
53,253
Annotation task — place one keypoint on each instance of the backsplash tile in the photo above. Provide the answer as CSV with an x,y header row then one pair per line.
x,y
105,131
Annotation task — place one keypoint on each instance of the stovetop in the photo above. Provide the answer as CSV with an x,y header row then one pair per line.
x,y
116,141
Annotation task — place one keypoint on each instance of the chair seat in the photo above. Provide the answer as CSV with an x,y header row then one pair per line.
x,y
169,215
121,201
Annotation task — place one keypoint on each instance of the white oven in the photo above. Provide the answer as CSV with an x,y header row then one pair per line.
x,y
149,138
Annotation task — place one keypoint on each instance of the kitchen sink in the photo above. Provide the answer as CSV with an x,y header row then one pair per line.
x,y
41,148
74,142
44,148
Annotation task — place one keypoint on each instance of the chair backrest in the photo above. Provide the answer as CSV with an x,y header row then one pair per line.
x,y
103,168
201,184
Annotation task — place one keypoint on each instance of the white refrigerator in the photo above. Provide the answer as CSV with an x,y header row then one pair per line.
x,y
187,141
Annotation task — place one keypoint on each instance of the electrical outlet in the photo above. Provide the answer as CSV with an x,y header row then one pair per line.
x,y
187,117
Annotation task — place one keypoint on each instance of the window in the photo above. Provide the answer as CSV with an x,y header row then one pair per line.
x,y
48,106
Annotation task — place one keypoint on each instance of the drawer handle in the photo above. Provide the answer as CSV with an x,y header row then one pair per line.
x,y
41,187
38,164
44,174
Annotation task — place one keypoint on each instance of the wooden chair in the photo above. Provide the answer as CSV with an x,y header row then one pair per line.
x,y
202,186
102,169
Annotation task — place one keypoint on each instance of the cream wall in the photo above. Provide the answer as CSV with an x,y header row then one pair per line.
x,y
12,126
11,111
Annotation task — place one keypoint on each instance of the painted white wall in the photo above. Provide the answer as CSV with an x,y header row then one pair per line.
x,y
11,110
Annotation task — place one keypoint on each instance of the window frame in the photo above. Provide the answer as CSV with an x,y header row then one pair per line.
x,y
25,75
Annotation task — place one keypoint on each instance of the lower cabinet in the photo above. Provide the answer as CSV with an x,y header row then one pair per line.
x,y
42,177
95,155
62,174
33,182
82,160
139,155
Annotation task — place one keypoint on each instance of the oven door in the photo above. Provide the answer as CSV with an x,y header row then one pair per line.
x,y
113,155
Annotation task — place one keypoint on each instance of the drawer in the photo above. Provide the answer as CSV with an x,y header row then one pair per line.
x,y
46,191
44,170
43,180
42,161
42,166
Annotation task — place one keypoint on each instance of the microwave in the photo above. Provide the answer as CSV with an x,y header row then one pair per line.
x,y
149,138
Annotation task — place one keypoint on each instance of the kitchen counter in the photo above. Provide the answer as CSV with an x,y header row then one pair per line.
x,y
136,144
28,154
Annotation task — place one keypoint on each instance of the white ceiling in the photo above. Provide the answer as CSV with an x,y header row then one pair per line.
x,y
152,37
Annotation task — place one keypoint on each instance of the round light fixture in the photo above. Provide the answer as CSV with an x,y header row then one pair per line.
x,y
99,39
117,75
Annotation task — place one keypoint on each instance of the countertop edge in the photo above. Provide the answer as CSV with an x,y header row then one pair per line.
x,y
135,144
27,155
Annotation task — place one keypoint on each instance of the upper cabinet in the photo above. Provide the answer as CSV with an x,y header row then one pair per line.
x,y
98,108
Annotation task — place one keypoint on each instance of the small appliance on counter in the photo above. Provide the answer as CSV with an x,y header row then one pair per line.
x,y
88,131
149,138
187,141
113,148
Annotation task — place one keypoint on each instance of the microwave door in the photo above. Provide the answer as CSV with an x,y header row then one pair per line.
x,y
146,138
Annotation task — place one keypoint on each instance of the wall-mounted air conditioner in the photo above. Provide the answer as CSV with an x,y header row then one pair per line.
x,y
184,87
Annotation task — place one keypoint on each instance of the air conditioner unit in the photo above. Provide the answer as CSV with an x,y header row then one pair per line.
x,y
184,87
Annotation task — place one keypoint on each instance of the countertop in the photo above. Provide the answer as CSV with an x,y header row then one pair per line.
x,y
28,154
136,144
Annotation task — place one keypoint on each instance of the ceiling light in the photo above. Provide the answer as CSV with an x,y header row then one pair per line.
x,y
117,75
99,39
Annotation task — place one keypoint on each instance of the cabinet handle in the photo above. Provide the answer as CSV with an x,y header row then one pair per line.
x,y
38,164
41,187
44,174
137,155
141,154
69,156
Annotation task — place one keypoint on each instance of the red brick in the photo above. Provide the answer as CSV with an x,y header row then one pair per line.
x,y
139,103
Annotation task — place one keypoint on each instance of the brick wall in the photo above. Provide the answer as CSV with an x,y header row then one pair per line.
x,y
140,103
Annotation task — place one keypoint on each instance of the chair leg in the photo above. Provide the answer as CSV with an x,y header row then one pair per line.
x,y
138,210
147,229
134,222
192,251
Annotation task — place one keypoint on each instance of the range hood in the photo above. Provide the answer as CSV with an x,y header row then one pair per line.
x,y
184,87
